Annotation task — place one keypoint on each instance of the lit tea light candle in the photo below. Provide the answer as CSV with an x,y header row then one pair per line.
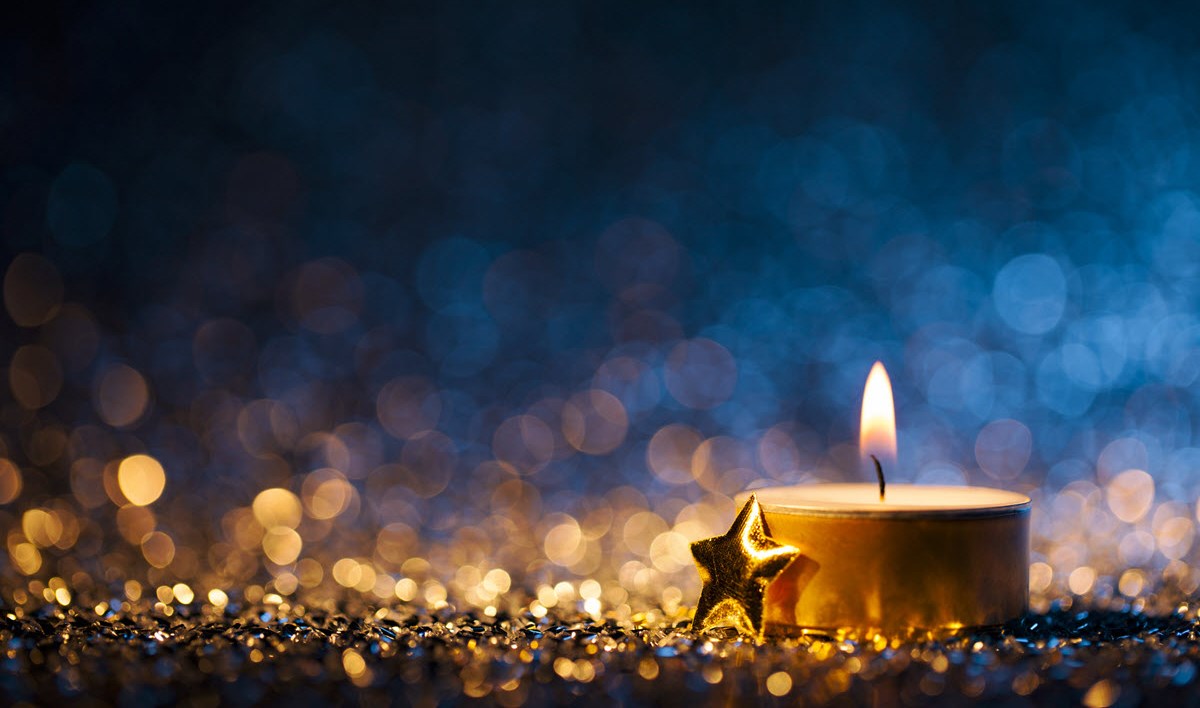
x,y
895,557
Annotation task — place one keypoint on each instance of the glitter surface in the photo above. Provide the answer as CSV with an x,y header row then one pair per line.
x,y
279,653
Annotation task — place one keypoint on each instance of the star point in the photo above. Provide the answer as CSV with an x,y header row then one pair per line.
x,y
736,569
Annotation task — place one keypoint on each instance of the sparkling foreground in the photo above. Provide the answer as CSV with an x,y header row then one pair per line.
x,y
202,655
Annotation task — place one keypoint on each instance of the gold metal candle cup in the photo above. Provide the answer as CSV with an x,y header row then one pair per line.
x,y
896,569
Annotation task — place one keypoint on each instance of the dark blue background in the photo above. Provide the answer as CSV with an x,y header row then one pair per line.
x,y
303,201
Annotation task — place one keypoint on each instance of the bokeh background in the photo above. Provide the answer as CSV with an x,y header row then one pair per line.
x,y
495,305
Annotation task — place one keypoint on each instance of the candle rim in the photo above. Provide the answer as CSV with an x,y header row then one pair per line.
x,y
770,501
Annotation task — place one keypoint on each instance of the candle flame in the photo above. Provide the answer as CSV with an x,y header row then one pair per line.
x,y
877,433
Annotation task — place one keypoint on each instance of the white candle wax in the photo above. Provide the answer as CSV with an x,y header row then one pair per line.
x,y
913,500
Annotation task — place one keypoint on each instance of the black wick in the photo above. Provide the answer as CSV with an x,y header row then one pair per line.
x,y
879,474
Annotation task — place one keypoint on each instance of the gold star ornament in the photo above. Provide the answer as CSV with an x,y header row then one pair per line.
x,y
736,569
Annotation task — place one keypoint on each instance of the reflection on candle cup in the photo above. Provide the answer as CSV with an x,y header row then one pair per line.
x,y
927,558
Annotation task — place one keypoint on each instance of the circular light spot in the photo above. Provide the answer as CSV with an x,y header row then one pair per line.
x,y
1120,455
1003,448
1040,576
1030,293
1057,389
26,557
310,572
353,663
42,527
640,531
720,460
670,451
33,290
700,373
779,683
408,406
670,552
1169,234
326,493
564,543
594,422
1136,548
1174,536
498,581
266,427
286,583
183,593
524,442
1102,694
778,453
396,542
406,589
632,381
1131,583
515,497
159,549
277,507
1130,494
282,545
134,522
122,396
34,376
430,458
346,572
10,481
141,479
1081,580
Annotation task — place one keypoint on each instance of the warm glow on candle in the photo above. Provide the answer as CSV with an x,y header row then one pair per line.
x,y
877,434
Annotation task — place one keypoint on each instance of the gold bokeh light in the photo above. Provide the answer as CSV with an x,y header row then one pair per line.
x,y
141,479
